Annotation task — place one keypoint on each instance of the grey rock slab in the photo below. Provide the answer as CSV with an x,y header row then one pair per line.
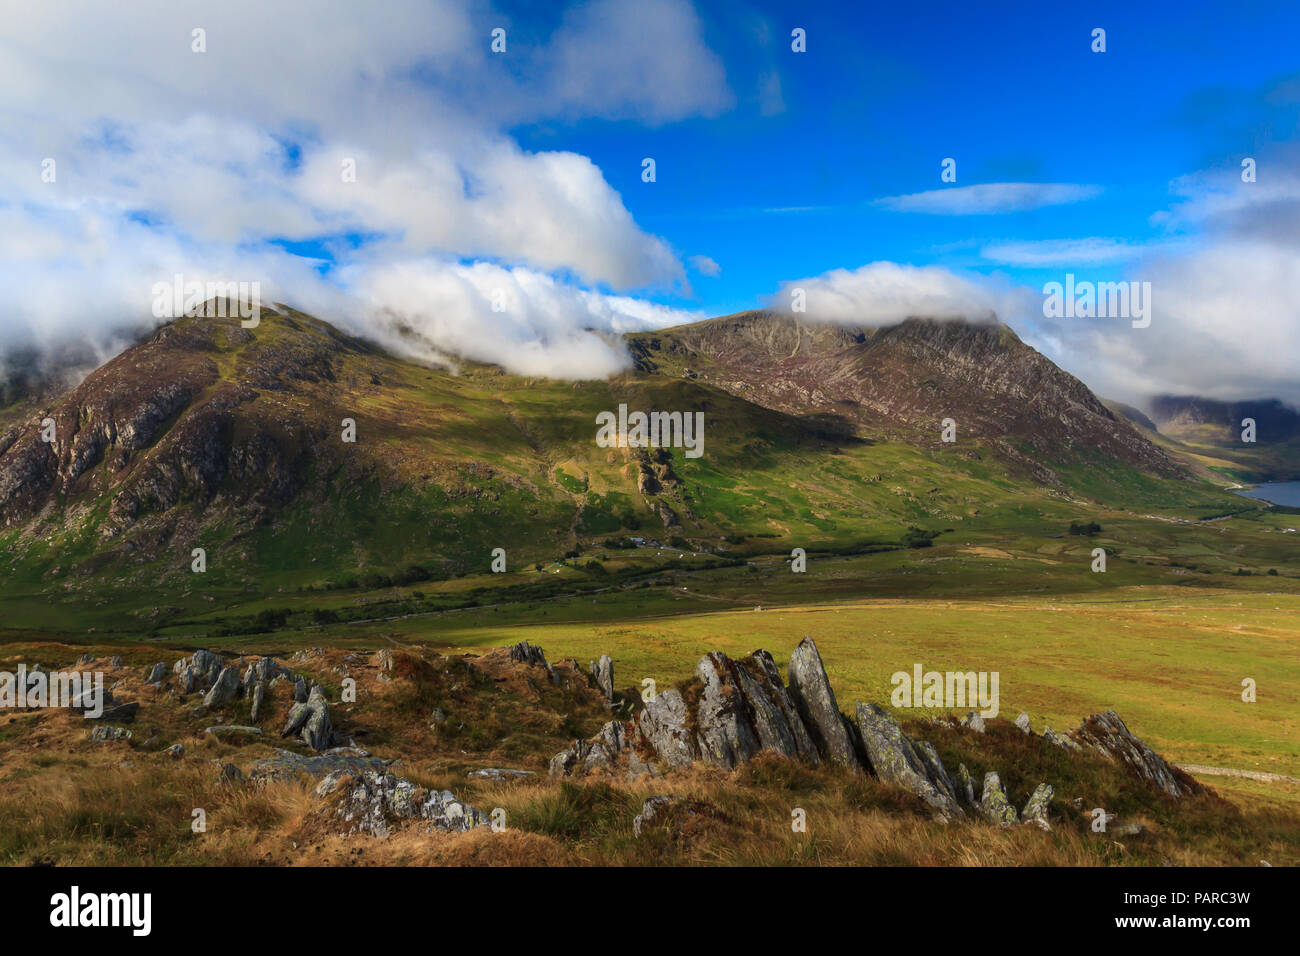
x,y
895,760
810,689
1107,734
1035,810
663,726
994,804
223,689
725,735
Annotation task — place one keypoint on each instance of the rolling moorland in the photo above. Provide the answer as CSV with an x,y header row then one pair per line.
x,y
970,555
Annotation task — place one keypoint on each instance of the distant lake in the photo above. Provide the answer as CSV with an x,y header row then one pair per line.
x,y
1278,492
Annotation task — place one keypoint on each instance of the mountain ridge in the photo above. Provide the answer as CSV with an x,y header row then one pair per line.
x,y
211,435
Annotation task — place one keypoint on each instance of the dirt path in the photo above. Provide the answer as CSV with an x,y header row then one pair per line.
x,y
1229,772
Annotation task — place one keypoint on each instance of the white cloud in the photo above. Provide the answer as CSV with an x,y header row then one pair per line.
x,y
523,320
646,57
705,266
1052,252
989,198
170,160
883,293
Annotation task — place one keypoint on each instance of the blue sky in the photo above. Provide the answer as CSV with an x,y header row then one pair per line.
x,y
385,168
1013,92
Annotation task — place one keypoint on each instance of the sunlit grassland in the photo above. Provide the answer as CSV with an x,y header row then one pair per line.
x,y
1170,662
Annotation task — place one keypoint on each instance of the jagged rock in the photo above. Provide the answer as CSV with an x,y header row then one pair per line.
x,y
605,748
500,774
311,720
259,695
896,760
300,690
1107,734
205,666
965,786
175,751
187,680
776,718
261,671
994,805
286,764
811,692
973,721
156,674
84,659
653,807
1060,740
223,689
563,763
725,735
231,774
1022,722
373,801
603,670
934,769
102,733
663,726
1035,810
384,662
437,718
115,661
532,655
525,653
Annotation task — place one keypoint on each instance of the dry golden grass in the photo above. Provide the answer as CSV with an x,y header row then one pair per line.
x,y
68,801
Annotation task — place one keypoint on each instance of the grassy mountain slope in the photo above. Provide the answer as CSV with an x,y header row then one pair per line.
x,y
216,437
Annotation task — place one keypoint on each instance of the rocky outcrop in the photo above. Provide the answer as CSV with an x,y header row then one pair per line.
x,y
223,689
1059,740
776,718
662,726
737,710
102,733
603,672
896,760
311,721
200,670
531,654
374,802
525,653
286,765
725,731
653,807
734,710
1035,810
263,671
810,689
964,784
1107,734
994,804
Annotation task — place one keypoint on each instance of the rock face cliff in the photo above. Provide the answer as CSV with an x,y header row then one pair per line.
x,y
203,410
903,381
